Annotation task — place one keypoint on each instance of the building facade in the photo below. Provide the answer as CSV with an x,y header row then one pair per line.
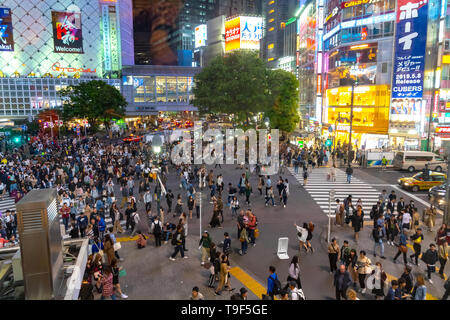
x,y
151,89
48,45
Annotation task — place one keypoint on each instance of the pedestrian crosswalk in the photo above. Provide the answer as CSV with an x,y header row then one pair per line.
x,y
7,203
319,187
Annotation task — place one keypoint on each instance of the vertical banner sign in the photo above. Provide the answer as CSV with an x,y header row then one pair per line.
x,y
232,34
113,39
67,34
6,31
106,38
409,59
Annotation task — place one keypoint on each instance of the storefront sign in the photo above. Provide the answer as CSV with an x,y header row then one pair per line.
x,y
6,31
200,36
410,42
443,130
332,14
67,34
349,4
57,67
243,33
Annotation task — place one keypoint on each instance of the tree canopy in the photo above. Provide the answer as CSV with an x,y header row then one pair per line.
x,y
241,84
235,84
94,100
283,113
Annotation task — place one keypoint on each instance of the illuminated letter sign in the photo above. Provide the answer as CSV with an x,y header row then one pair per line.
x,y
232,34
6,31
67,35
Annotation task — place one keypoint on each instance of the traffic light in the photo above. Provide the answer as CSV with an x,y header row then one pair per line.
x,y
17,139
300,143
328,142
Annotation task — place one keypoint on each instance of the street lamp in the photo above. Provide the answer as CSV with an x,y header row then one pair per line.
x,y
266,122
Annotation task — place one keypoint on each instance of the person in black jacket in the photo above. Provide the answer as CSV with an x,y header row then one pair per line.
x,y
342,280
400,205
409,279
430,258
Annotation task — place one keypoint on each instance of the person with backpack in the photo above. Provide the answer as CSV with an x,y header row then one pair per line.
x,y
378,235
349,172
273,284
430,257
156,229
205,245
177,241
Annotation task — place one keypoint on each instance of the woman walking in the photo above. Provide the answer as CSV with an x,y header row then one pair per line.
x,y
420,291
116,273
234,207
334,253
190,203
117,227
294,272
357,223
223,275
178,206
350,264
379,281
108,245
363,266
107,284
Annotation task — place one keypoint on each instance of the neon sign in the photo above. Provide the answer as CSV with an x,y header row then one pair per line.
x,y
349,4
57,67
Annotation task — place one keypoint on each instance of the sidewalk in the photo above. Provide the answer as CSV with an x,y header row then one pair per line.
x,y
393,270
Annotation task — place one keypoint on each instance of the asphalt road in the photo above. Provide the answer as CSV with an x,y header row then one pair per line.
x,y
153,276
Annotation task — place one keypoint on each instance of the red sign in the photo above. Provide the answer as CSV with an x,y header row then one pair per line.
x,y
298,58
319,84
443,130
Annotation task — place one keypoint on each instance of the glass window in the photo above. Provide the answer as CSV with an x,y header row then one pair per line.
x,y
161,89
149,86
182,89
171,89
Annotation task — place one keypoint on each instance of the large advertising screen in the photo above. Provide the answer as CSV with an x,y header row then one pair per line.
x,y
67,34
409,59
243,33
6,31
200,36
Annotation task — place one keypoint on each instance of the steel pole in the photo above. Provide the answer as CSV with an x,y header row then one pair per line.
x,y
200,205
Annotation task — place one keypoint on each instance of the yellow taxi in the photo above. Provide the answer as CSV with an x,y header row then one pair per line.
x,y
420,182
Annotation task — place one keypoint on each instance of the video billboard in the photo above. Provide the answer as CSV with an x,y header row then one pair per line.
x,y
200,36
6,31
67,33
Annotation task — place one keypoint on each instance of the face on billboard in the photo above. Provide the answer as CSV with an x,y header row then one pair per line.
x,y
6,32
232,34
67,34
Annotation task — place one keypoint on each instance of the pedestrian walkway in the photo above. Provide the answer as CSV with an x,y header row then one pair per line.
x,y
7,203
319,188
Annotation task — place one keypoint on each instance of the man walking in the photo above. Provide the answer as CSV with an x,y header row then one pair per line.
x,y
378,233
178,239
272,282
349,172
342,280
430,258
417,239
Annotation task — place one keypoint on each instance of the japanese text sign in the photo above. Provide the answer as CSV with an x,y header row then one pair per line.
x,y
67,35
6,32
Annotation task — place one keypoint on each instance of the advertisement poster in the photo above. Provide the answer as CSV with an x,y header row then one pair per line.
x,y
200,36
67,35
409,59
232,34
251,32
114,39
6,31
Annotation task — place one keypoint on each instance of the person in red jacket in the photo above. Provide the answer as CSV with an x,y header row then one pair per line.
x,y
252,223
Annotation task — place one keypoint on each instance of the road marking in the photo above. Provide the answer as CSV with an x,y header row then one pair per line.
x,y
253,285
126,239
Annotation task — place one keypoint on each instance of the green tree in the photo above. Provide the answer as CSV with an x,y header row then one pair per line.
x,y
94,100
283,113
234,84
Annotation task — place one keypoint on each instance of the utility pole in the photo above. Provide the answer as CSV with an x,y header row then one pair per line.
x,y
200,212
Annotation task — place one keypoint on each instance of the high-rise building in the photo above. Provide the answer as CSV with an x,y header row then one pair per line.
x,y
276,13
164,29
46,47
230,8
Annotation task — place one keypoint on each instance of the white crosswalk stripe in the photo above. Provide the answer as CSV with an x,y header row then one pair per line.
x,y
319,187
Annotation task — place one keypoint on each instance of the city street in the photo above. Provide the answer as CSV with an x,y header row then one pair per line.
x,y
150,266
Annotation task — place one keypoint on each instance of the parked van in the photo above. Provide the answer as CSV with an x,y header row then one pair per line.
x,y
416,160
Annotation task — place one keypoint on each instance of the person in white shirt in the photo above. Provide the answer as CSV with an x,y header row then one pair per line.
x,y
406,219
295,293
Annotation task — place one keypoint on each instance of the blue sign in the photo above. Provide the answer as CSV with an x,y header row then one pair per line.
x,y
410,43
6,31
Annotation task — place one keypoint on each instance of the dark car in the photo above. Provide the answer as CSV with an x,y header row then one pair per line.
x,y
437,195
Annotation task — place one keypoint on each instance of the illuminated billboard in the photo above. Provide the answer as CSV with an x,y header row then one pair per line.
x,y
200,36
6,32
243,33
67,34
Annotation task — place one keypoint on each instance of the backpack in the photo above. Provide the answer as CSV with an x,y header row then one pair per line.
x,y
157,229
174,240
276,286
